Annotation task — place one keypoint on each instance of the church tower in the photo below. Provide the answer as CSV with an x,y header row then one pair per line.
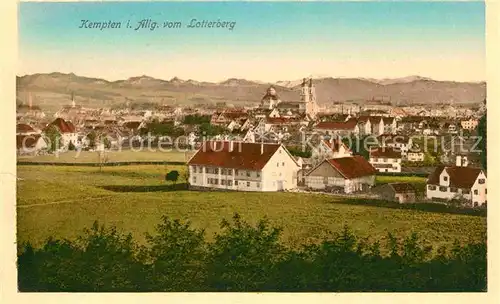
x,y
305,93
311,104
73,104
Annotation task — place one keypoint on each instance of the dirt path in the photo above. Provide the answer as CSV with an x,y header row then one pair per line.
x,y
63,202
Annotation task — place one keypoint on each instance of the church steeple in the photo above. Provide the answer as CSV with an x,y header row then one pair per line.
x,y
305,93
73,104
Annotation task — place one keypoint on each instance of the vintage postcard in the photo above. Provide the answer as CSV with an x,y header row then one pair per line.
x,y
251,147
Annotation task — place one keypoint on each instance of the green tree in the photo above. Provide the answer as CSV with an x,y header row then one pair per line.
x,y
71,146
54,139
93,138
482,146
243,257
172,176
176,256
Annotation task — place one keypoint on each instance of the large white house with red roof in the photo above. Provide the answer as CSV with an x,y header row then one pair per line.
x,y
458,182
67,131
386,159
243,166
352,174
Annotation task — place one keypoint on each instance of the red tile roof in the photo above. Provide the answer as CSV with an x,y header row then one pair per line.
x,y
243,155
460,177
402,187
27,141
353,167
337,125
24,128
385,152
62,125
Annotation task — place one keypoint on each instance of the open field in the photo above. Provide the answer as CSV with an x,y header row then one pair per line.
x,y
113,156
60,201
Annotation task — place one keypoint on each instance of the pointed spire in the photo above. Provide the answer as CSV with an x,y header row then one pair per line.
x,y
73,104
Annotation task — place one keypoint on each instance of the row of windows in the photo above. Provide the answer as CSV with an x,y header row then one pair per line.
x,y
453,189
223,182
385,160
224,171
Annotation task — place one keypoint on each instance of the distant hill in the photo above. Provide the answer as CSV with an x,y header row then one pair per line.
x,y
55,89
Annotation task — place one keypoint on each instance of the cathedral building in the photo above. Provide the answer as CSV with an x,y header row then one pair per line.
x,y
306,106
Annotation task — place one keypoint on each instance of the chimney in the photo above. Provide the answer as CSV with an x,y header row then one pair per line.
x,y
230,146
261,148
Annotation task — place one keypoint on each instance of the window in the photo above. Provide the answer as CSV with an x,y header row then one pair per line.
x,y
248,184
485,191
248,173
236,183
465,191
279,151
216,170
194,179
223,171
476,192
223,182
283,164
481,181
443,189
235,172
277,164
445,178
453,189
475,204
431,187
229,182
384,160
258,185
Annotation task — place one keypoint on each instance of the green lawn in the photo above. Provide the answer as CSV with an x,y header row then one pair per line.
x,y
113,156
60,201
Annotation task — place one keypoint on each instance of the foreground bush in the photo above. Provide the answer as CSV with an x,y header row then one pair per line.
x,y
245,257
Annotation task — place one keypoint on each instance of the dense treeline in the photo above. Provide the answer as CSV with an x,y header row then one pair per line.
x,y
244,257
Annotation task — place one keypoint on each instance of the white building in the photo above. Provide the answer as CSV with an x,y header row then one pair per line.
x,y
331,148
347,173
385,159
338,128
243,166
469,124
415,156
458,182
399,143
67,131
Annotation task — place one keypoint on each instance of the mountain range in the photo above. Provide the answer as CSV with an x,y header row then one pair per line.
x,y
55,89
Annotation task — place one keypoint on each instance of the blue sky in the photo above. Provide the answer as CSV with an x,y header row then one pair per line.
x,y
271,40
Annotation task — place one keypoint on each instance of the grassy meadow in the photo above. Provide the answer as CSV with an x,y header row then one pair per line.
x,y
61,201
113,156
